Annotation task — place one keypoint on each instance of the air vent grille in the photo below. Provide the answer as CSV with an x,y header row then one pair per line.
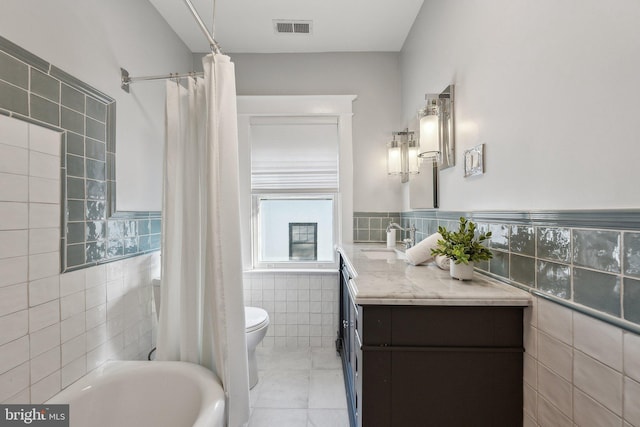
x,y
292,27
301,27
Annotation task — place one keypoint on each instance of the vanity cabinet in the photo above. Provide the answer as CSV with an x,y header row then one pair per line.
x,y
431,365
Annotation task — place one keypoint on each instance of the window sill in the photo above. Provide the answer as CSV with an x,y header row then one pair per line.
x,y
327,270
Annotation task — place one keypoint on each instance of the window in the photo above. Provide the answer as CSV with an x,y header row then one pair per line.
x,y
292,230
303,241
294,184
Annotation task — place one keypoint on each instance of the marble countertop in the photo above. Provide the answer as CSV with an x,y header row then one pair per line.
x,y
379,278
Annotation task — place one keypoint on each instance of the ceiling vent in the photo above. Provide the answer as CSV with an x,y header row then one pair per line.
x,y
292,27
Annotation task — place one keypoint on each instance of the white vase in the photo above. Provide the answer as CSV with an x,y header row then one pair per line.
x,y
461,271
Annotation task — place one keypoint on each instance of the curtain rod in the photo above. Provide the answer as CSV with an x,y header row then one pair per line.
x,y
126,80
215,48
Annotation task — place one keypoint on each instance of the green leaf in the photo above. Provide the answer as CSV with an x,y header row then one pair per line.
x,y
463,246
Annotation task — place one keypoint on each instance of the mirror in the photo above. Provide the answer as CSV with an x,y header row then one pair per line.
x,y
446,159
423,188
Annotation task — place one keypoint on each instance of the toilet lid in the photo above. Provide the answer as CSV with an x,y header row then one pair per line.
x,y
255,318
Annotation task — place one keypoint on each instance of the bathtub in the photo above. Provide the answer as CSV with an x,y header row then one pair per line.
x,y
141,394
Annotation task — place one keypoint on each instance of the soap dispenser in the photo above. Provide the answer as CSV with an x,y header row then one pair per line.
x,y
391,236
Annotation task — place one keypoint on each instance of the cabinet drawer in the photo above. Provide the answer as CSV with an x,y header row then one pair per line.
x,y
456,326
374,324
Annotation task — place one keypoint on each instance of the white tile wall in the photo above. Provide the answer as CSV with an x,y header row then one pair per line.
x,y
580,371
632,401
14,132
589,412
13,298
632,356
13,326
54,327
13,243
14,160
303,307
13,188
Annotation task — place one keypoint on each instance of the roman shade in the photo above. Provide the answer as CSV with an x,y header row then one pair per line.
x,y
294,153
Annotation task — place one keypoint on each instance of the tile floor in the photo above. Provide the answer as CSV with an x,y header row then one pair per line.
x,y
299,388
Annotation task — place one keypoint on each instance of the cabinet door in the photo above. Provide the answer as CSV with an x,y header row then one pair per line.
x,y
353,316
347,338
458,387
374,399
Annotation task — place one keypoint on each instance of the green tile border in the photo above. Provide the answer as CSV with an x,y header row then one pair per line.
x,y
105,108
604,317
615,219
620,220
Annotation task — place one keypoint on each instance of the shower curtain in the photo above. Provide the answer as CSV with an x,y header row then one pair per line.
x,y
202,306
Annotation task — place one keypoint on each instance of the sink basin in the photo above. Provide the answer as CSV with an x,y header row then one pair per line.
x,y
383,253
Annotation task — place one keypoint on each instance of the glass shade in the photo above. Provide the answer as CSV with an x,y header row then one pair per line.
x,y
412,157
394,158
429,136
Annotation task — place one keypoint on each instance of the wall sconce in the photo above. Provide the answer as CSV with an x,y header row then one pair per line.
x,y
402,155
436,129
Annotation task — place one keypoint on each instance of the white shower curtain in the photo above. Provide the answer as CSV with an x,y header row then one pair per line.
x,y
202,306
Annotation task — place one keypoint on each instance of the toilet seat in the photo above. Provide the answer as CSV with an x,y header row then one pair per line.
x,y
255,318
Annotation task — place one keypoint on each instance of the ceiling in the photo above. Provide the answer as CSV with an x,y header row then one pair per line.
x,y
246,26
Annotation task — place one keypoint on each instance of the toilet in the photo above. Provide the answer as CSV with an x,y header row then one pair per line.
x,y
256,324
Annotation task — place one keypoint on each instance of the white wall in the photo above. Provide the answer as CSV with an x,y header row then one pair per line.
x,y
550,87
91,40
373,77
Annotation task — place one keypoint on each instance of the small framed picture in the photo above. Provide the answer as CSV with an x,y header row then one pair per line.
x,y
474,161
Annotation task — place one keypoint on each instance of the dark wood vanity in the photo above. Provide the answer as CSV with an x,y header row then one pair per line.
x,y
430,365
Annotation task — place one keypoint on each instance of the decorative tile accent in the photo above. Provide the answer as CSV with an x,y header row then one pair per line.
x,y
555,279
632,300
72,99
37,92
499,264
596,249
523,270
597,290
371,226
523,240
499,236
14,71
45,86
14,99
554,243
632,254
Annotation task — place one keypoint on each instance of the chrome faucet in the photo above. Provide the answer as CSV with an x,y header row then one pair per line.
x,y
411,240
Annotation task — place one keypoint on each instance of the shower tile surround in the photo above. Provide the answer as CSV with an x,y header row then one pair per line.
x,y
581,336
37,92
56,327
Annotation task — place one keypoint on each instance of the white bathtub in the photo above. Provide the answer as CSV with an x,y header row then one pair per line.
x,y
141,394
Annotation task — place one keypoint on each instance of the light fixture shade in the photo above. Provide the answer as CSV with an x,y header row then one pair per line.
x,y
412,157
394,158
429,137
